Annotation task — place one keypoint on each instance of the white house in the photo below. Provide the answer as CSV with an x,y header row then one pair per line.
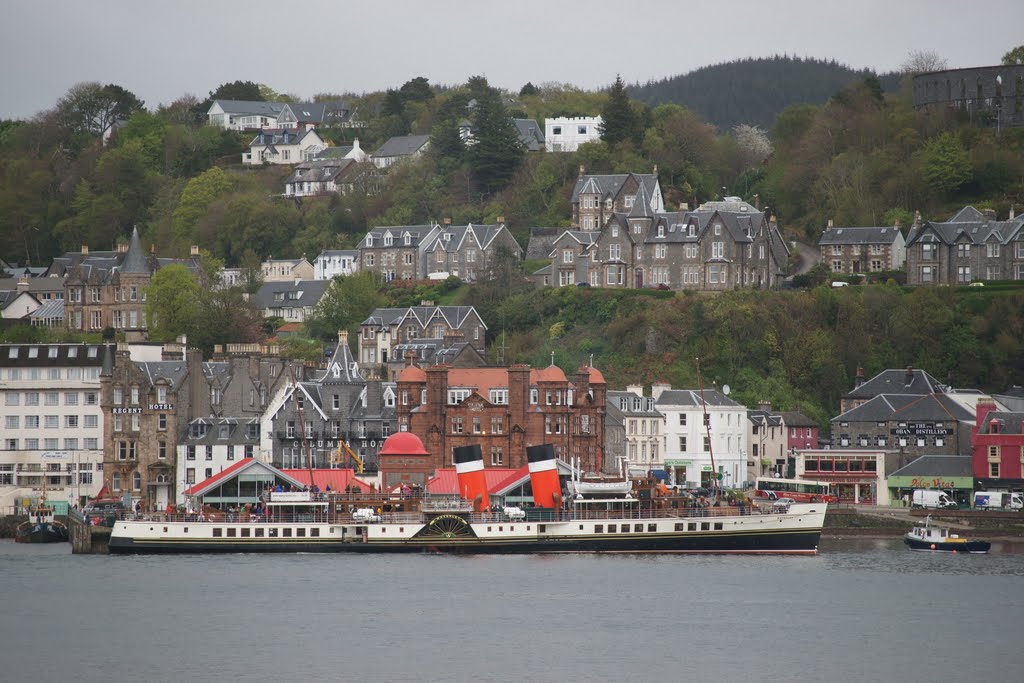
x,y
213,444
243,115
333,262
286,269
283,146
398,148
52,422
564,134
689,451
249,115
17,304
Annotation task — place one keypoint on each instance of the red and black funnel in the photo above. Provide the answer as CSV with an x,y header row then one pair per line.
x,y
469,466
547,489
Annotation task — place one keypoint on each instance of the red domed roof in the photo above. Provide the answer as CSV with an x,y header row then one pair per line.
x,y
403,443
551,373
595,376
412,374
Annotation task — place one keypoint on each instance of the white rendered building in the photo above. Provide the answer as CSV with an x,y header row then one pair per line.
x,y
688,451
52,424
566,134
333,262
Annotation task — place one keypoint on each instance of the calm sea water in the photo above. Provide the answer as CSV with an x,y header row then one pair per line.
x,y
862,610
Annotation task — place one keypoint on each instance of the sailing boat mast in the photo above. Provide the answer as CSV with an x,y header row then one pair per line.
x,y
707,427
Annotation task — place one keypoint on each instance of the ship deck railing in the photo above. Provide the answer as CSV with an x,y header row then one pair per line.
x,y
322,515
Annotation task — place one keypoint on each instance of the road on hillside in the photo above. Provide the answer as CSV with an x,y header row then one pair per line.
x,y
808,258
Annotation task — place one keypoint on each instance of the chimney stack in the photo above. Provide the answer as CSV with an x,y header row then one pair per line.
x,y
85,250
909,376
501,220
343,337
1012,214
860,377
469,467
447,221
195,250
547,489
829,223
982,408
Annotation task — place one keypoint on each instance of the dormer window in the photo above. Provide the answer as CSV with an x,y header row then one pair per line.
x,y
661,231
369,240
407,239
693,230
388,240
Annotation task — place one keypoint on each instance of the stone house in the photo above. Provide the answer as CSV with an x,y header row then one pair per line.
x,y
386,328
932,424
334,418
504,410
719,246
570,255
108,289
286,269
862,250
596,198
912,381
155,410
467,252
971,246
642,442
397,252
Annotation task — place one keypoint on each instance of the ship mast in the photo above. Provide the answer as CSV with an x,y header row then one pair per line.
x,y
302,426
707,427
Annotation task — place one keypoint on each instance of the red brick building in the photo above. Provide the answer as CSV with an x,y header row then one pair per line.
x,y
998,448
504,410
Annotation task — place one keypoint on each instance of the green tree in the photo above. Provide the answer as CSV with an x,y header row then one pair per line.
x,y
946,165
619,121
347,301
416,90
497,150
198,195
172,303
90,108
528,90
1014,56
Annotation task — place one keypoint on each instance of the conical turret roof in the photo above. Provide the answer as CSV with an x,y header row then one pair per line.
x,y
135,259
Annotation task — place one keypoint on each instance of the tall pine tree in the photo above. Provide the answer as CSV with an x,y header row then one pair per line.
x,y
496,151
619,121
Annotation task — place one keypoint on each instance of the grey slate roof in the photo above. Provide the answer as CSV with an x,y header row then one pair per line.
x,y
308,293
173,371
918,382
858,236
281,136
937,466
904,407
530,134
610,185
453,315
967,225
319,170
692,397
765,417
249,107
1011,423
416,233
541,242
483,234
52,355
348,369
402,146
135,260
794,418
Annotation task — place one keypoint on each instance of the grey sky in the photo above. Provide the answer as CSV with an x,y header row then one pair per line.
x,y
161,50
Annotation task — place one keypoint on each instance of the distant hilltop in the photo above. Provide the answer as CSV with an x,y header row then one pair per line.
x,y
752,90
